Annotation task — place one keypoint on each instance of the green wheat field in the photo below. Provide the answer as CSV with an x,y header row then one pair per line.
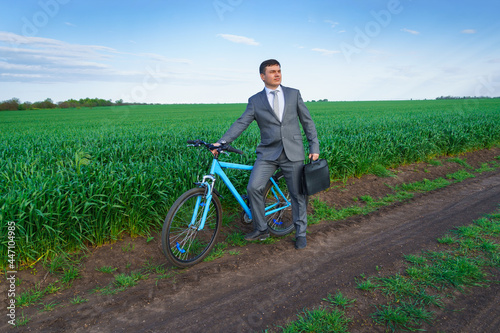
x,y
74,178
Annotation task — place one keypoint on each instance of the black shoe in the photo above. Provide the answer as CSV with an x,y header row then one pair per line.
x,y
257,235
300,242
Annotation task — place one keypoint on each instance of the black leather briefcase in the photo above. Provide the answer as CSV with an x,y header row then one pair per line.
x,y
315,177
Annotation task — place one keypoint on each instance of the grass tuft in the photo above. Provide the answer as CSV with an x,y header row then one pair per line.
x,y
339,300
319,320
405,316
380,171
460,176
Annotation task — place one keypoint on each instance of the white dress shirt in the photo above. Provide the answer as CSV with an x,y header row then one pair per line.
x,y
281,99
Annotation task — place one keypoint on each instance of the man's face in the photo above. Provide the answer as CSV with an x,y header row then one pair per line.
x,y
272,77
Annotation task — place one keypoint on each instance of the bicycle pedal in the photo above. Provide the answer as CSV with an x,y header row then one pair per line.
x,y
247,199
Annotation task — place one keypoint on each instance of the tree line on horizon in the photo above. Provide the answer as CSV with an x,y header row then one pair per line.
x,y
465,97
15,104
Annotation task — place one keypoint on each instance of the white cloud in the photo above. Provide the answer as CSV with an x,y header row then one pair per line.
x,y
239,39
41,48
28,59
332,23
5,66
469,31
413,32
28,76
161,58
325,52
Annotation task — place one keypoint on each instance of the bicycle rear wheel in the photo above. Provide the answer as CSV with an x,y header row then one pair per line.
x,y
279,223
183,244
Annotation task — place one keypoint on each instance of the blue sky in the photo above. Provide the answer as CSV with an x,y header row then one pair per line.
x,y
208,51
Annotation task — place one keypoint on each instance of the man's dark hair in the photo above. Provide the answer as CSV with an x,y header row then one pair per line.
x,y
270,62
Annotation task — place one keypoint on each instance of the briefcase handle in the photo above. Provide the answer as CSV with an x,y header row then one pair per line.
x,y
311,161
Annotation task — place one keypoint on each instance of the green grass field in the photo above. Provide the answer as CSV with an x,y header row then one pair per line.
x,y
77,177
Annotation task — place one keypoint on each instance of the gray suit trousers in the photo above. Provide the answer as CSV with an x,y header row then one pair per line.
x,y
261,172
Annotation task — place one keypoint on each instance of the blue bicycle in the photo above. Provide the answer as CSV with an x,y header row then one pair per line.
x,y
193,222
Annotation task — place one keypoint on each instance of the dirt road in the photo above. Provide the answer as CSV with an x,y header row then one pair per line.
x,y
268,284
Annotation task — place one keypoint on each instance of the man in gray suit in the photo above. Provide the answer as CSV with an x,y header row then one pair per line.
x,y
277,111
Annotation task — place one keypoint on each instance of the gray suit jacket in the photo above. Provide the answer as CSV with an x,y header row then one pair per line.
x,y
276,136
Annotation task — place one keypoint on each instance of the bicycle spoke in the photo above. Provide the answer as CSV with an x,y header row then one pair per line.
x,y
183,247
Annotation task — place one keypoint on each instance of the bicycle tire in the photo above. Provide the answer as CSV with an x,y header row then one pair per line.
x,y
185,245
279,223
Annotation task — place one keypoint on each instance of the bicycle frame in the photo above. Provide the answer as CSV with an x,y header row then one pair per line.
x,y
209,181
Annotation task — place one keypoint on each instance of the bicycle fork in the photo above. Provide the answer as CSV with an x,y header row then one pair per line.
x,y
209,190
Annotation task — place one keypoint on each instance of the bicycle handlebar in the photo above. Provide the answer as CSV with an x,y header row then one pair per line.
x,y
209,146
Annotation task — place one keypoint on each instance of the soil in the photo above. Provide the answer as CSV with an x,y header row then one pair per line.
x,y
267,284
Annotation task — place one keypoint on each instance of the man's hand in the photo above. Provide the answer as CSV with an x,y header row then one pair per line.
x,y
214,151
313,157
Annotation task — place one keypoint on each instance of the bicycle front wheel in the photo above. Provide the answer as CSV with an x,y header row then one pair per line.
x,y
184,243
280,222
